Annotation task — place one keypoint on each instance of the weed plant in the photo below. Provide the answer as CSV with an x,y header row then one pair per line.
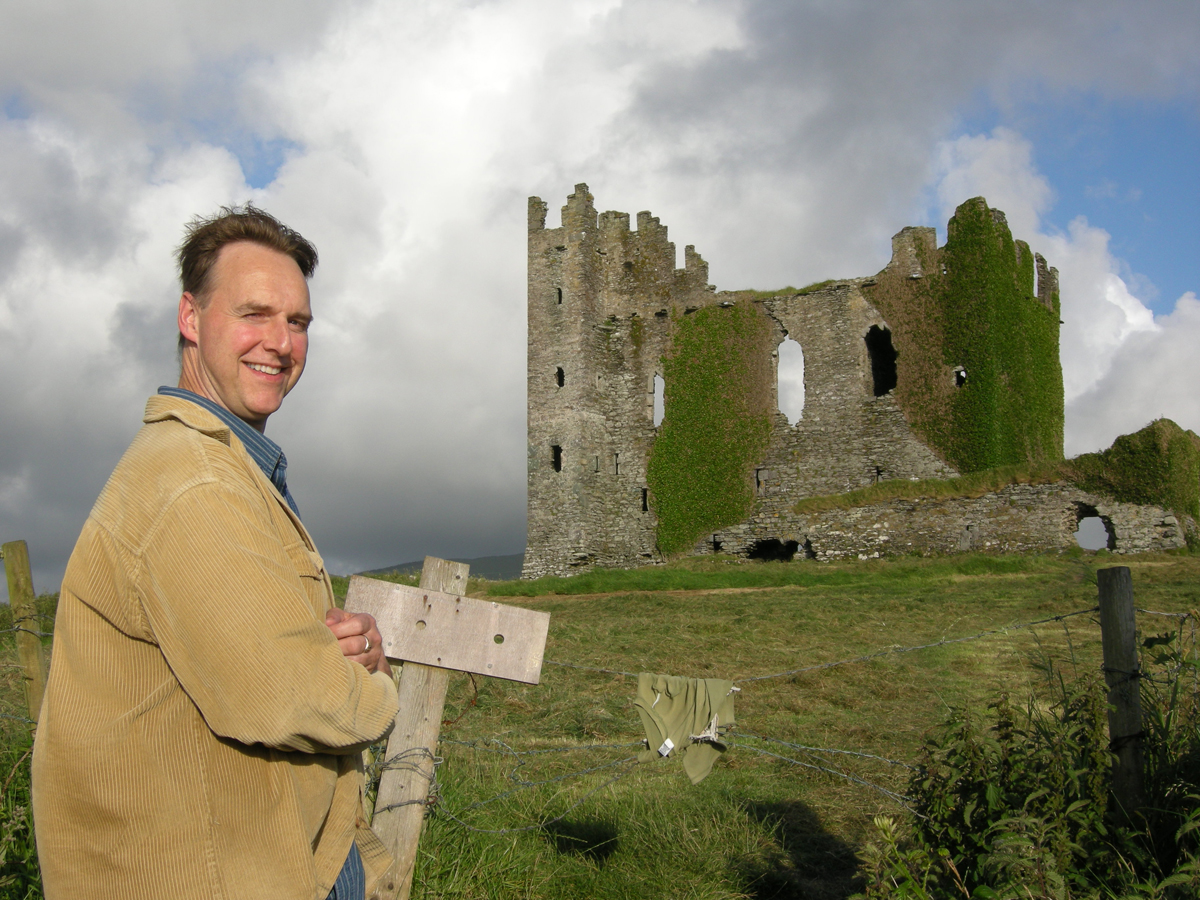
x,y
1016,804
20,878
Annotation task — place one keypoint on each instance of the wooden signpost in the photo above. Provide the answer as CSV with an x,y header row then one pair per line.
x,y
434,630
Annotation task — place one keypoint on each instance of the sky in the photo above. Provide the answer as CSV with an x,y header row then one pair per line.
x,y
786,140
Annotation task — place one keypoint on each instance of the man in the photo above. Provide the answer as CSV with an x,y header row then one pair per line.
x,y
207,704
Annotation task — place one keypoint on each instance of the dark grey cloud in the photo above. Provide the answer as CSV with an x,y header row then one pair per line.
x,y
787,141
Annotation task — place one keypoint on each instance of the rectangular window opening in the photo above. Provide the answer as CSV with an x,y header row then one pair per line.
x,y
645,500
556,457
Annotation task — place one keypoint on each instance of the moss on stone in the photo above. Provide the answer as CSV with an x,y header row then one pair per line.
x,y
1159,465
972,309
1010,409
716,422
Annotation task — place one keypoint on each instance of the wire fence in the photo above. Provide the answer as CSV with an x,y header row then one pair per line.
x,y
823,760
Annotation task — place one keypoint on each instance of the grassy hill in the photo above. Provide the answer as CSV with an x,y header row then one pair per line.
x,y
536,794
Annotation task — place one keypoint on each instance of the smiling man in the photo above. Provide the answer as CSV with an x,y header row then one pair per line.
x,y
207,702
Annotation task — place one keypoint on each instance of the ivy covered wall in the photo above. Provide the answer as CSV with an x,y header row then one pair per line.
x,y
1158,465
979,373
718,377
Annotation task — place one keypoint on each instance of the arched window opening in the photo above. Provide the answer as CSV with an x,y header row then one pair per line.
x,y
1093,531
791,381
556,457
560,376
883,360
558,293
660,387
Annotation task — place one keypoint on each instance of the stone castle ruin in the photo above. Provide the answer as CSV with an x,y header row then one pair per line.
x,y
944,363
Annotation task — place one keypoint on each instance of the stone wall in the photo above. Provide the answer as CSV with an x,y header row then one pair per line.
x,y
1020,518
605,303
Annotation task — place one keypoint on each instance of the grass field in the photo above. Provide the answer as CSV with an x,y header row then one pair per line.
x,y
515,819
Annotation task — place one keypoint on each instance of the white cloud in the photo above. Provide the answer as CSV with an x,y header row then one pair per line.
x,y
788,142
1153,375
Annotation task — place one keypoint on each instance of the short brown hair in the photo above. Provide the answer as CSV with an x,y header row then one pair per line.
x,y
205,236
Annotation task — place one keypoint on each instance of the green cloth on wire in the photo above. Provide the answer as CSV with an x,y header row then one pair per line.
x,y
678,708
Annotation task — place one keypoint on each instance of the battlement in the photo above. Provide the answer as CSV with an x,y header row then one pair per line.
x,y
945,342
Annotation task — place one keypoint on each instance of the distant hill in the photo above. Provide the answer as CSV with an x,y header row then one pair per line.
x,y
496,568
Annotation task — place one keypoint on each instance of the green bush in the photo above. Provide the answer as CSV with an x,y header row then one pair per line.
x,y
1016,803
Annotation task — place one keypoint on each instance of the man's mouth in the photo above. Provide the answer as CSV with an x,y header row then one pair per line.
x,y
266,370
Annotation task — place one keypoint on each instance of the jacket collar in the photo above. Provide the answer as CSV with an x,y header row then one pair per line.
x,y
160,407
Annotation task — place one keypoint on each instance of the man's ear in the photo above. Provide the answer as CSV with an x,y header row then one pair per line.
x,y
189,318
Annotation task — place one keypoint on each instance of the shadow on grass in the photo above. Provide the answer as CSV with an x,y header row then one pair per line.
x,y
804,862
595,840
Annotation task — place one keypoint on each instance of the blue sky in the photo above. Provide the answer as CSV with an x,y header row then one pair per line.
x,y
1131,168
787,141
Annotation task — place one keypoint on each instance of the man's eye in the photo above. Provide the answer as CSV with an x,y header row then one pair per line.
x,y
299,325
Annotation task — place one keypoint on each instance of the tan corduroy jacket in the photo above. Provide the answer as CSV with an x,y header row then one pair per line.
x,y
201,730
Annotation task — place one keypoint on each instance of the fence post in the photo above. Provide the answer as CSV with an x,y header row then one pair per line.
x,y
1119,637
25,618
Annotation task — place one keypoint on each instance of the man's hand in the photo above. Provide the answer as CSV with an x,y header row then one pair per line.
x,y
359,639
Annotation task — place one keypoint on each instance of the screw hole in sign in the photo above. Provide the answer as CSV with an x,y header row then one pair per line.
x,y
499,638
420,624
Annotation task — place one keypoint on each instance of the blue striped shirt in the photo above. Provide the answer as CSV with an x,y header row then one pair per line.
x,y
263,450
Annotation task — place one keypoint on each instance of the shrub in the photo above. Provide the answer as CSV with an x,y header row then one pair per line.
x,y
1015,803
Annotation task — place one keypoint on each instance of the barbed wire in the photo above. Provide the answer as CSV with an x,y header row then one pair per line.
x,y
550,662
855,753
892,795
17,628
408,761
509,750
1154,612
441,810
893,650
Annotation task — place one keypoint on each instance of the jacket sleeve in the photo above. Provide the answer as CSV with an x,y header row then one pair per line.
x,y
226,605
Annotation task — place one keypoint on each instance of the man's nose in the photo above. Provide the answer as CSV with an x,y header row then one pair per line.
x,y
278,338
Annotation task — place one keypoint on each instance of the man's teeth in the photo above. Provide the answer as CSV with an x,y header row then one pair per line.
x,y
266,370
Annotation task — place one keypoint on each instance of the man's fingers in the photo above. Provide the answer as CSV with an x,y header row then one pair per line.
x,y
351,625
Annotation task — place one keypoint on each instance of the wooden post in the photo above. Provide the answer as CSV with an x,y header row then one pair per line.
x,y
400,806
1119,638
25,618
434,630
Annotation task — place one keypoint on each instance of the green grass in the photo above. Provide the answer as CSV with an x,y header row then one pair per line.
x,y
757,826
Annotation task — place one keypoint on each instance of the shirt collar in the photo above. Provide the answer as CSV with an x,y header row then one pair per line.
x,y
265,452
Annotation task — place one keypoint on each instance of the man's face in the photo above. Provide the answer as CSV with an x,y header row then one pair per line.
x,y
252,335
